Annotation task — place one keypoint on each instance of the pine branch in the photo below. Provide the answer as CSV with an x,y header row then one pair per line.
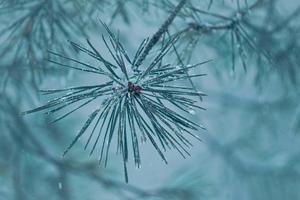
x,y
135,101
155,38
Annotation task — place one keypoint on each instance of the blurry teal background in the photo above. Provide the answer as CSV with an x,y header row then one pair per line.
x,y
250,150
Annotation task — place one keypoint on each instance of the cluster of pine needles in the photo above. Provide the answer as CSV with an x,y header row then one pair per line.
x,y
138,100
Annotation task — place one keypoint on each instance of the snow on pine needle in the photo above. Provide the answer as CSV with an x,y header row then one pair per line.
x,y
137,101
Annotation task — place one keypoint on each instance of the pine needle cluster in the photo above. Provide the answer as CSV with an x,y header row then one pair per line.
x,y
137,98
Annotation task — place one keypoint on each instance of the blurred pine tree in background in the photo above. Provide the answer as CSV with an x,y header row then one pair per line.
x,y
250,148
